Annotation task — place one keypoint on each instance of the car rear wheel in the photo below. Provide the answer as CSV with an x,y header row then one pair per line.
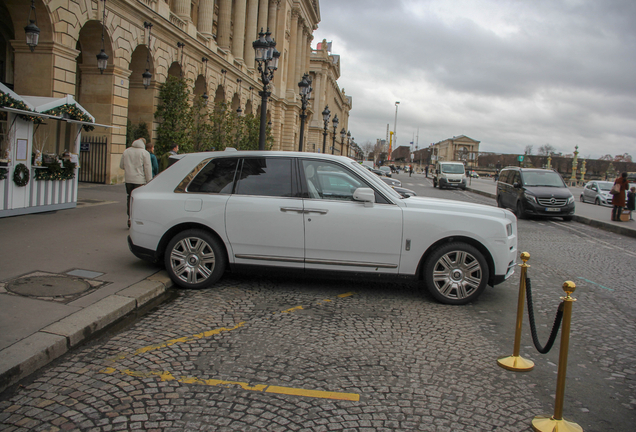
x,y
581,198
456,273
195,259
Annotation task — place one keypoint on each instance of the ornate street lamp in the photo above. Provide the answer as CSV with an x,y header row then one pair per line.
x,y
102,57
32,31
239,111
204,96
267,58
326,115
147,76
343,134
335,126
349,141
305,93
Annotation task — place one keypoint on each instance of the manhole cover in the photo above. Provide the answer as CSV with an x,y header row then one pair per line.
x,y
48,286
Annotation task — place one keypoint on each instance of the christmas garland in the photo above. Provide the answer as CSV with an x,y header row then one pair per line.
x,y
56,172
3,173
73,112
21,175
9,102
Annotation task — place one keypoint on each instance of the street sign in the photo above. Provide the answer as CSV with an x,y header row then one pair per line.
x,y
520,158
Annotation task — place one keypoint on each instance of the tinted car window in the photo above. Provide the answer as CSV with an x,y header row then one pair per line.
x,y
266,176
503,177
216,177
330,181
542,178
516,178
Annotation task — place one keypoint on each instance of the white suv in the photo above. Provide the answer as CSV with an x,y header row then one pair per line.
x,y
314,213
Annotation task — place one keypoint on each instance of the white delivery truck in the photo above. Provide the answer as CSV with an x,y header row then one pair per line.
x,y
449,174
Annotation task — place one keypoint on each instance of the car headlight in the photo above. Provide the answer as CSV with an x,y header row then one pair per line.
x,y
529,197
570,200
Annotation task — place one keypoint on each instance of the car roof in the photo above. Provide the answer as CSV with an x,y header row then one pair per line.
x,y
263,153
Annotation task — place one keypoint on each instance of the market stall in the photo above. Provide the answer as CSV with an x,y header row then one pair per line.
x,y
39,146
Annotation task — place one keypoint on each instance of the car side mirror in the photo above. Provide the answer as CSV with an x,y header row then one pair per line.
x,y
516,185
366,195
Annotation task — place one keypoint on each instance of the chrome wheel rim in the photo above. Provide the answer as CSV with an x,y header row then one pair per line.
x,y
457,275
192,260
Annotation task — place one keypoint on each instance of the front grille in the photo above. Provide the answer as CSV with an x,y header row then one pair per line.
x,y
552,202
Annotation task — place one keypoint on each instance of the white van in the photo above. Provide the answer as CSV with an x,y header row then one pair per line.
x,y
449,174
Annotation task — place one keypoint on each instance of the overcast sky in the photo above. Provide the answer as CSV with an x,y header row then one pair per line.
x,y
508,73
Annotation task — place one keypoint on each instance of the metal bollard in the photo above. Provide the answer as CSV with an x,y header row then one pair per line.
x,y
515,362
556,422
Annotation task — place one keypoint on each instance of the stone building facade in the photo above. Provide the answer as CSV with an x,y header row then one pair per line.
x,y
458,148
73,32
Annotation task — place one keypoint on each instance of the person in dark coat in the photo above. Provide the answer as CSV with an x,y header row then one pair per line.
x,y
618,200
631,201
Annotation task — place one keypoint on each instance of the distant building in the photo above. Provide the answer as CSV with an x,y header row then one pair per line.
x,y
458,148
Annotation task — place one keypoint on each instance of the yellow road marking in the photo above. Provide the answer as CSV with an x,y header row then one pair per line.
x,y
290,310
346,294
290,391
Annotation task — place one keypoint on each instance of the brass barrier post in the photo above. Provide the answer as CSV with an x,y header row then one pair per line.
x,y
515,362
556,423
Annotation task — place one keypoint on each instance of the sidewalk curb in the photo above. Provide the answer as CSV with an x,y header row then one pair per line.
x,y
32,353
581,219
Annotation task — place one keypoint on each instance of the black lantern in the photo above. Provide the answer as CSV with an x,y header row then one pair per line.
x,y
267,57
147,76
326,115
343,134
32,31
335,127
102,57
204,96
305,93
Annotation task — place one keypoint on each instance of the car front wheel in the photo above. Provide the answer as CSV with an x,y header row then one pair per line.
x,y
195,259
456,273
597,202
520,212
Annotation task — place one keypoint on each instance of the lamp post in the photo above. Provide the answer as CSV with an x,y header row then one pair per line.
x,y
267,59
394,130
326,115
102,57
305,93
32,31
349,142
335,126
146,77
343,134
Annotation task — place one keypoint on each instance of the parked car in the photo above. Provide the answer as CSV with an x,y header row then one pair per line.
x,y
406,193
374,171
533,191
386,170
597,192
391,181
314,213
473,174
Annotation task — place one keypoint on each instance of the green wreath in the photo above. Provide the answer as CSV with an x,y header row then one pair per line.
x,y
21,175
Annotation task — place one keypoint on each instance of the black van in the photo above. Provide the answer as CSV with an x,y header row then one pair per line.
x,y
534,192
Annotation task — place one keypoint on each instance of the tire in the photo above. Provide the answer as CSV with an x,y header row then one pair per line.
x,y
597,202
195,259
581,198
567,218
520,213
434,183
456,273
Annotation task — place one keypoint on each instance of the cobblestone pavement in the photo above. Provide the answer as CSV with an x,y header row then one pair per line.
x,y
288,354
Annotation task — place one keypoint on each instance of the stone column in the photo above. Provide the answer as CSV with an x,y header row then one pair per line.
x,y
238,38
206,17
182,9
262,16
291,52
251,32
271,17
225,22
300,42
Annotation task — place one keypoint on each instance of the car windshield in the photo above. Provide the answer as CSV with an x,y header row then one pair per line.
x,y
605,186
452,168
385,168
542,178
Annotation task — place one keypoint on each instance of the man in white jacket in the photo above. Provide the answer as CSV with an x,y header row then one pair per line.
x,y
135,161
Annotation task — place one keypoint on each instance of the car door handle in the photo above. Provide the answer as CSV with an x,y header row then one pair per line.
x,y
292,209
319,211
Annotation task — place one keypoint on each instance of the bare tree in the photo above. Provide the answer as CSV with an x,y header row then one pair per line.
x,y
528,149
367,148
546,150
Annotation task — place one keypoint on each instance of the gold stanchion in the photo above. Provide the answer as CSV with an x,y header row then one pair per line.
x,y
556,423
515,362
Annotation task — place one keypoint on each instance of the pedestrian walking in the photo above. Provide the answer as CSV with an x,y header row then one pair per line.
x,y
631,201
426,171
164,161
135,161
150,148
618,198
410,170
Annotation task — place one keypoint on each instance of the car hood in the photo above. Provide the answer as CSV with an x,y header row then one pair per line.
x,y
544,191
444,205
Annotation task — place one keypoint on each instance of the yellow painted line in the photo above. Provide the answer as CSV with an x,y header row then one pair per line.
x,y
290,310
346,294
263,388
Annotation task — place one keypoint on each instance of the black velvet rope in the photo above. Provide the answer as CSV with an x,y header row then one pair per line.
x,y
555,327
